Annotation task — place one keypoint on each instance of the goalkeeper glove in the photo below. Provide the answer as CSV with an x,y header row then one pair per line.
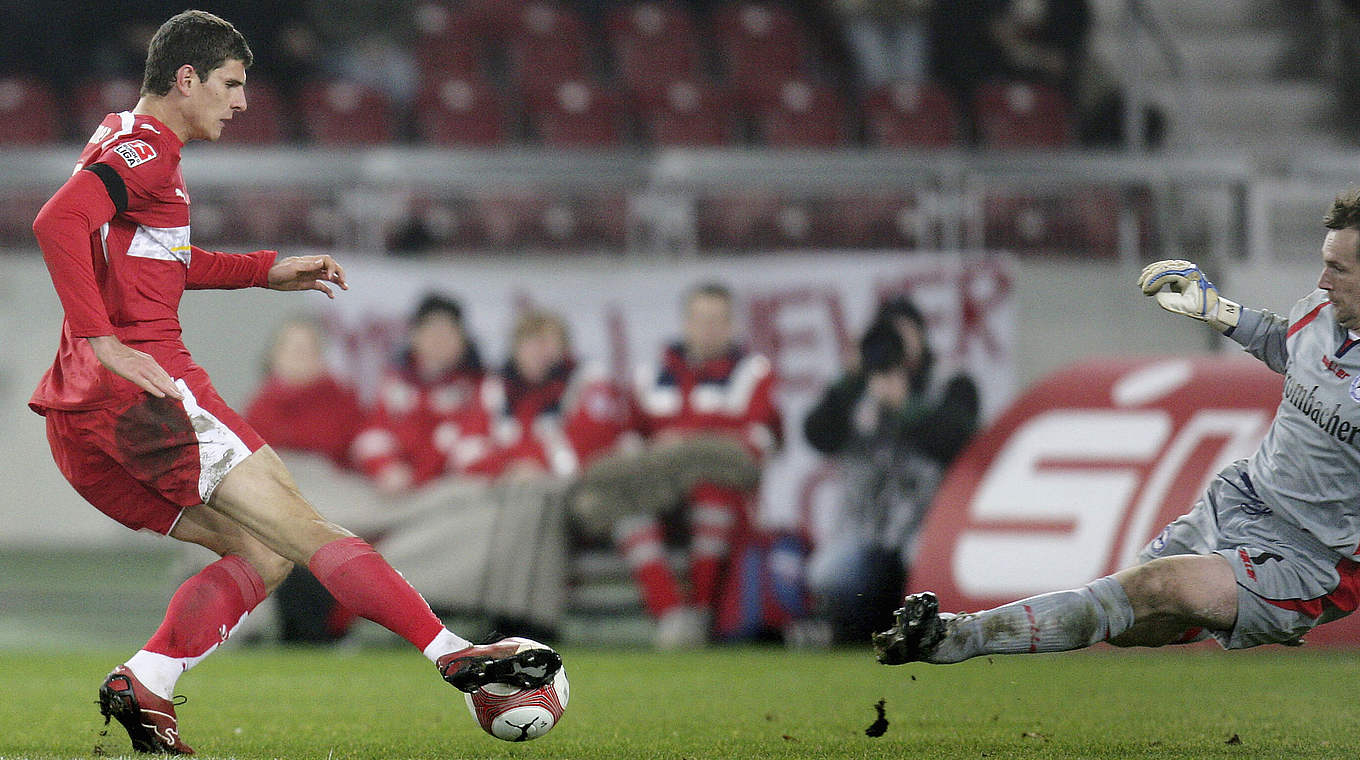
x,y
1182,288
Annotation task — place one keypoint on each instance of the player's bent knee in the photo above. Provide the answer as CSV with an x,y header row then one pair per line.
x,y
1186,590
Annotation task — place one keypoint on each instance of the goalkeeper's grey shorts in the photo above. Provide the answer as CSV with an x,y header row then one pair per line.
x,y
1287,581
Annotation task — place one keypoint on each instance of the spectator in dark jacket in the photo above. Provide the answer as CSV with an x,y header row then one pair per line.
x,y
893,425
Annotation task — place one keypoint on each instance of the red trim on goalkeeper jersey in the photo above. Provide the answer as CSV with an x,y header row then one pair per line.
x,y
1305,319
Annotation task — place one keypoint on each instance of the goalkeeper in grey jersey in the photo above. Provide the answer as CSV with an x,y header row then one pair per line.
x,y
1269,551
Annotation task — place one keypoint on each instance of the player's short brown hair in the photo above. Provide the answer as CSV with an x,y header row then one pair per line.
x,y
709,289
1345,211
197,38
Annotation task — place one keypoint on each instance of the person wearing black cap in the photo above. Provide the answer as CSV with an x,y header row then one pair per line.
x,y
893,425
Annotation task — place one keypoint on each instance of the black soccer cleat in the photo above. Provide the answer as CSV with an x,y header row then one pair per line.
x,y
916,631
502,662
149,719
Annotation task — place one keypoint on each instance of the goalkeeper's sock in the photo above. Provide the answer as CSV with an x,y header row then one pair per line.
x,y
1054,622
360,579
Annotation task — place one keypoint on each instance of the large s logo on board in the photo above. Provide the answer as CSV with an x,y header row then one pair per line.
x,y
1086,468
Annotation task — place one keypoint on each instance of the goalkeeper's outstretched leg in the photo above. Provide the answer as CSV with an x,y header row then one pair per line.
x,y
1166,601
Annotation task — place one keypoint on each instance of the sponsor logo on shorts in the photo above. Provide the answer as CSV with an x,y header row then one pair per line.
x,y
1246,562
135,152
1159,543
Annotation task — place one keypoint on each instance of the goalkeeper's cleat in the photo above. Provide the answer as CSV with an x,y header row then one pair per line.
x,y
917,630
149,719
476,666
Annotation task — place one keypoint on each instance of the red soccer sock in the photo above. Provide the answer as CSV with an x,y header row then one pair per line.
x,y
715,519
206,608
361,580
644,550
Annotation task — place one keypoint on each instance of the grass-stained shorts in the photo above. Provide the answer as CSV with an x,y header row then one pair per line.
x,y
143,461
1287,581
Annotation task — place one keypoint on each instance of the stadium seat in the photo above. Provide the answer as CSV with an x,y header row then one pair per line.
x,y
1021,115
761,45
744,220
18,207
576,114
910,115
691,113
653,45
877,219
546,46
29,112
94,100
336,113
1082,221
506,219
806,114
459,111
265,120
448,41
276,217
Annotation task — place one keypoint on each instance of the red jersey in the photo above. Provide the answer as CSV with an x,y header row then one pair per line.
x,y
561,424
436,427
115,238
733,393
321,416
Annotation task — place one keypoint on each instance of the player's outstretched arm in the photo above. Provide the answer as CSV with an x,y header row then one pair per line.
x,y
307,273
1180,287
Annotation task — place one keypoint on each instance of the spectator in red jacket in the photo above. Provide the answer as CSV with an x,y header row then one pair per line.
x,y
708,415
427,405
301,406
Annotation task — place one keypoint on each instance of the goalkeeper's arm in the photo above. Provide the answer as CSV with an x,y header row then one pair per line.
x,y
1181,287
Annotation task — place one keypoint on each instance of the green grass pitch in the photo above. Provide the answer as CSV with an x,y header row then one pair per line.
x,y
737,703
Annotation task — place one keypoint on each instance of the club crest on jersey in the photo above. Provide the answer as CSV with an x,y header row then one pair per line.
x,y
1355,389
135,152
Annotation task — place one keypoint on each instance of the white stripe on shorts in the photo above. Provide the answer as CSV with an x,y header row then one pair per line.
x,y
219,449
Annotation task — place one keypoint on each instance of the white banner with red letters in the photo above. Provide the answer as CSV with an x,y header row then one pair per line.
x,y
805,311
1084,469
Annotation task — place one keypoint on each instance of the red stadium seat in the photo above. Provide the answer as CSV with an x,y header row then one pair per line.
x,y
29,112
576,114
265,119
761,45
506,219
96,99
691,113
281,217
336,113
546,46
878,219
460,111
449,40
739,220
806,114
1082,221
1021,115
17,209
653,45
911,115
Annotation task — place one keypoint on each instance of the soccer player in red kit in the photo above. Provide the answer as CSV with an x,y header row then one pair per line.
x,y
136,426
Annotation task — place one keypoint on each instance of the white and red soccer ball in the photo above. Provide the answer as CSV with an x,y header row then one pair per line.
x,y
515,714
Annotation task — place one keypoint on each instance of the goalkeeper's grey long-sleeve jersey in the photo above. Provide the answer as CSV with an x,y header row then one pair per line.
x,y
1308,466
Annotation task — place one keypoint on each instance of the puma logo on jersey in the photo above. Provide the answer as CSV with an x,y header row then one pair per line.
x,y
135,152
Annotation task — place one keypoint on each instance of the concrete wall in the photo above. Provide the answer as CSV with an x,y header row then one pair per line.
x,y
1065,311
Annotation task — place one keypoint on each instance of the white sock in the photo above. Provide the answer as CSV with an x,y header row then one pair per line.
x,y
157,672
1054,622
445,642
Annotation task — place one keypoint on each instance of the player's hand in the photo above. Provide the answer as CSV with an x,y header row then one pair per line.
x,y
307,273
134,366
1181,287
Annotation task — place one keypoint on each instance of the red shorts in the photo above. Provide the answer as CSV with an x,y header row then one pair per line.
x,y
146,459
